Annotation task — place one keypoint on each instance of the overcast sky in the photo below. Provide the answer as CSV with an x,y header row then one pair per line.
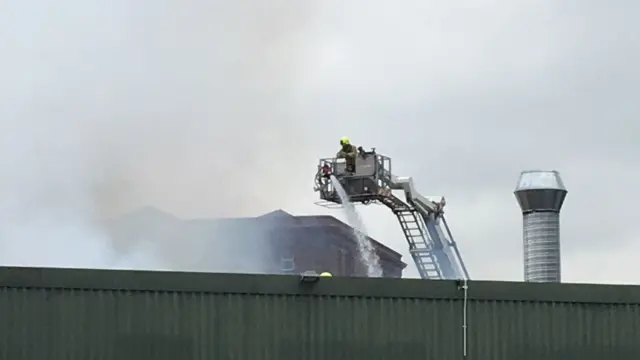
x,y
222,108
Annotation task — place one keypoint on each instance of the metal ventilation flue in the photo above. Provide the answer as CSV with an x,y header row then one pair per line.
x,y
540,195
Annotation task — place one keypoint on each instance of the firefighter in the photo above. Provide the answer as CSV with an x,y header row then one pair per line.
x,y
349,153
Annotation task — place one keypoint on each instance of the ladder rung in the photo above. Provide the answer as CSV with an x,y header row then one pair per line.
x,y
428,265
418,239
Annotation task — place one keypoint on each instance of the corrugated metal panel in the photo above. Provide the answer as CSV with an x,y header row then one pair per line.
x,y
137,326
81,314
546,330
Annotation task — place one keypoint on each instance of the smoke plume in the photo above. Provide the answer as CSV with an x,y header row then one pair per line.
x,y
109,106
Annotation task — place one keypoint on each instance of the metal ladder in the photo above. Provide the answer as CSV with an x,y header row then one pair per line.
x,y
419,245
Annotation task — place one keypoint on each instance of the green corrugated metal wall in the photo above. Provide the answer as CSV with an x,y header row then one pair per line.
x,y
57,314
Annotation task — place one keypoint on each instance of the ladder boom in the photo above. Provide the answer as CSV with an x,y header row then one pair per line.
x,y
439,243
422,221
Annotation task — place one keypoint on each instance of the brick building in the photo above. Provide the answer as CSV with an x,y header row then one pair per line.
x,y
323,243
276,243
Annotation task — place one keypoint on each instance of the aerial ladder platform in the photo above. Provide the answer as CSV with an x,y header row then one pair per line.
x,y
431,244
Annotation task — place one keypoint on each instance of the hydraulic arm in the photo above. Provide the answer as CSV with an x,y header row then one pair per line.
x,y
431,244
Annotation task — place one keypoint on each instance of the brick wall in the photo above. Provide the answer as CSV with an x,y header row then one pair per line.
x,y
319,251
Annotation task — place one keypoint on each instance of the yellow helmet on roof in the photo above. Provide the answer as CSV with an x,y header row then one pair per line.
x,y
344,140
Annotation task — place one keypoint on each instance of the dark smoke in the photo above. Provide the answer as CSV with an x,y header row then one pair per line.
x,y
109,106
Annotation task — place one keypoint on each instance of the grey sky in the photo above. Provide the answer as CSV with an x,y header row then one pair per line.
x,y
223,109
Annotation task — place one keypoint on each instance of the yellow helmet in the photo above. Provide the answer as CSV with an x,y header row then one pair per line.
x,y
344,140
326,274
